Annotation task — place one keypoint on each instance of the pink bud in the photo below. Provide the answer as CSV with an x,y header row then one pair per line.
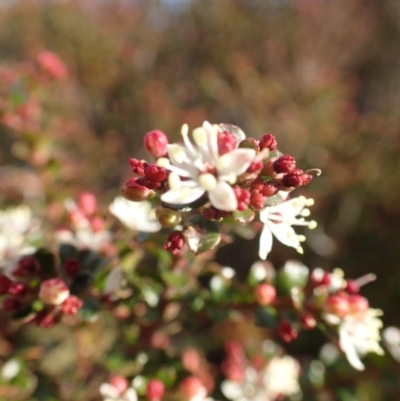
x,y
268,141
191,386
119,382
285,164
52,65
191,360
155,390
135,192
71,305
87,203
337,305
265,294
156,143
286,331
358,303
53,291
307,321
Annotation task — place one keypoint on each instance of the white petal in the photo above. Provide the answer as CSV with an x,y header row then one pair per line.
x,y
265,242
183,195
231,389
285,234
348,347
237,161
130,395
113,281
183,159
223,197
107,390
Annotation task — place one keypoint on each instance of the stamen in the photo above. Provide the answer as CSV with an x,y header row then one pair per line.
x,y
174,182
207,181
163,162
224,161
177,153
312,224
200,137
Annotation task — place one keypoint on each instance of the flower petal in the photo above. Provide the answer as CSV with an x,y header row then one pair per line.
x,y
130,395
183,159
183,195
285,234
222,197
231,390
265,242
237,161
108,390
348,347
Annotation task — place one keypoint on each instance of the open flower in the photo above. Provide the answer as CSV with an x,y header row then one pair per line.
x,y
278,221
359,334
203,169
138,216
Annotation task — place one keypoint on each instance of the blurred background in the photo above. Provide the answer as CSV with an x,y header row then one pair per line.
x,y
322,75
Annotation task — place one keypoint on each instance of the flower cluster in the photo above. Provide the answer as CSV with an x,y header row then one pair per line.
x,y
219,173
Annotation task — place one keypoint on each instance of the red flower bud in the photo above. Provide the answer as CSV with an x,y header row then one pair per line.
x,y
155,390
72,266
71,305
5,284
119,382
135,192
52,65
307,321
156,143
286,331
226,142
269,189
257,201
285,164
265,294
268,141
358,303
337,305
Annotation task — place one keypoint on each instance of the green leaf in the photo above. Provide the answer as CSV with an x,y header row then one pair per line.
x,y
89,310
173,279
46,261
67,251
201,242
245,216
266,317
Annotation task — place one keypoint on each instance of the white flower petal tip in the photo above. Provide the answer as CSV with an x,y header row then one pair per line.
x,y
278,221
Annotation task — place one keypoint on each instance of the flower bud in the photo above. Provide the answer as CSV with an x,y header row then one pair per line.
x,y
155,390
120,383
168,217
5,284
268,141
53,291
191,360
352,287
307,321
337,305
72,267
226,142
87,203
285,164
286,331
293,179
52,65
156,143
191,386
265,294
250,143
71,305
135,192
358,303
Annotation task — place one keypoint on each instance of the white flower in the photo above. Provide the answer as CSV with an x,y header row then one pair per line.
x,y
138,216
250,389
84,237
204,170
281,376
278,221
111,393
15,225
359,334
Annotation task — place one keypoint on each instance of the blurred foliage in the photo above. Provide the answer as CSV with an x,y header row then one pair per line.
x,y
322,75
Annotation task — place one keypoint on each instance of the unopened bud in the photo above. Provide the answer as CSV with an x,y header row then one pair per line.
x,y
285,164
337,305
53,291
286,331
168,217
307,321
155,390
87,203
250,143
265,294
156,143
358,303
135,192
120,383
191,386
268,141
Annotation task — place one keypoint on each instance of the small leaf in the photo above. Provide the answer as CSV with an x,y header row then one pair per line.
x,y
174,280
81,282
67,251
46,261
199,242
245,216
89,309
266,317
